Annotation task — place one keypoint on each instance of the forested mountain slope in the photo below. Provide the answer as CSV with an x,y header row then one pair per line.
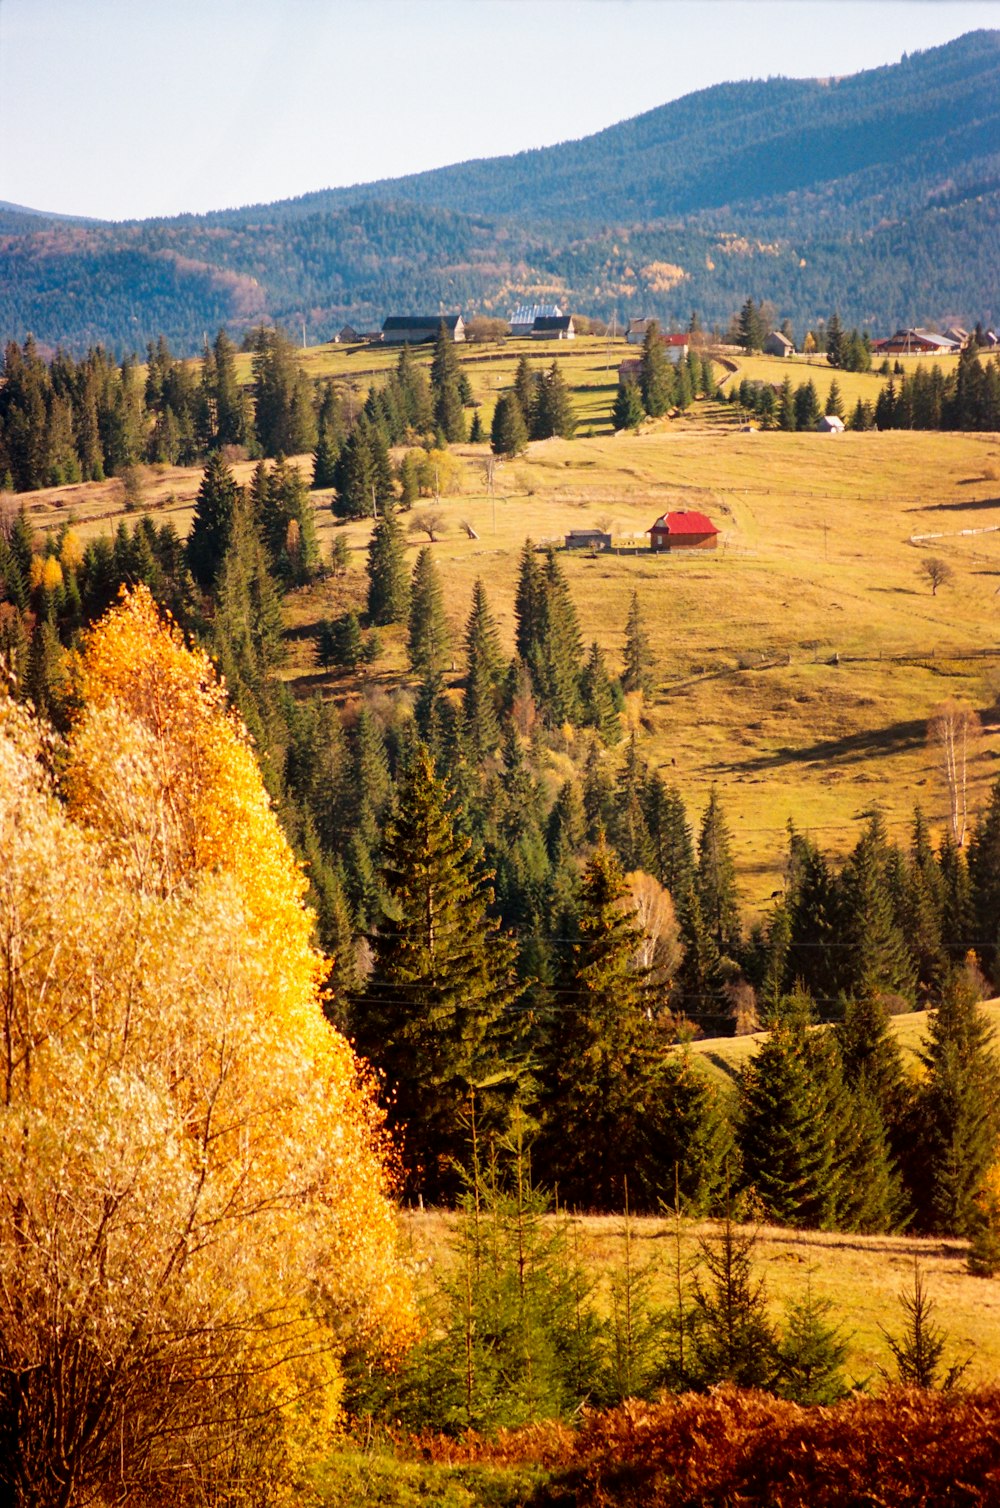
x,y
876,194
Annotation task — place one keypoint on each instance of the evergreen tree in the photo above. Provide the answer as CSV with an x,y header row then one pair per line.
x,y
834,402
553,414
476,435
528,603
811,1354
429,637
751,327
984,879
637,669
509,432
807,409
524,390
786,407
598,1058
656,376
734,1340
483,677
599,709
715,879
875,956
212,525
388,578
788,1123
442,981
555,655
958,1105
627,411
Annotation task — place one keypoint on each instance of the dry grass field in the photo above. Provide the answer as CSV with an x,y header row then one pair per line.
x,y
797,665
861,1276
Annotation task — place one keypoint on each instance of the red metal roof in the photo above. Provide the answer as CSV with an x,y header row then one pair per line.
x,y
676,340
685,522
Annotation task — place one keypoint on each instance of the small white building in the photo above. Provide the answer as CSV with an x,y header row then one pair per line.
x,y
830,424
777,344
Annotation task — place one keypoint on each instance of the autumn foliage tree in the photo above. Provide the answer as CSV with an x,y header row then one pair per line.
x,y
194,1216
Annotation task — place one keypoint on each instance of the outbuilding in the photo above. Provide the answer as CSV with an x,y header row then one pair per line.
x,y
588,539
418,329
553,327
830,424
522,319
778,344
684,530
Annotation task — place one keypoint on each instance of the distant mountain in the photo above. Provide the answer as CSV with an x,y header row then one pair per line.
x,y
877,195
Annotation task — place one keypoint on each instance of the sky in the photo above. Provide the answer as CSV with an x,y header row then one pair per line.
x,y
122,109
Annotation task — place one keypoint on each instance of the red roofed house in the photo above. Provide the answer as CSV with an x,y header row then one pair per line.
x,y
685,530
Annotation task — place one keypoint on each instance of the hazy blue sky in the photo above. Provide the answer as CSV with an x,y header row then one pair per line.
x,y
122,108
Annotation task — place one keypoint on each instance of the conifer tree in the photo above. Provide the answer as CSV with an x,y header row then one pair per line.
x,y
811,1353
786,406
692,1134
631,835
484,671
734,1340
875,956
627,411
656,374
528,603
598,1058
599,710
670,836
787,1127
637,669
441,983
984,878
429,637
509,430
212,523
957,1111
716,879
557,651
388,578
524,390
553,412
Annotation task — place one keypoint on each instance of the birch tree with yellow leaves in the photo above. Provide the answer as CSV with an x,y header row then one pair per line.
x,y
194,1213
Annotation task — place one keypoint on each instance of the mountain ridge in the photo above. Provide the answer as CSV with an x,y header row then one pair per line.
x,y
877,194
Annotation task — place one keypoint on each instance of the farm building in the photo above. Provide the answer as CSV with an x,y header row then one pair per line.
x,y
914,342
522,319
348,336
630,370
830,424
588,539
684,530
777,344
677,345
415,330
553,327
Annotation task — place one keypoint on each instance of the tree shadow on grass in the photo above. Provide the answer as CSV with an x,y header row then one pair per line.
x,y
852,748
960,507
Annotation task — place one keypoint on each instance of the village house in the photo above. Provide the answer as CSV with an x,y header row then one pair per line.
x,y
415,330
676,346
588,539
777,344
522,319
553,327
914,343
684,530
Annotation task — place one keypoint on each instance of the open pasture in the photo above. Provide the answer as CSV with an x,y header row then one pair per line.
x,y
797,665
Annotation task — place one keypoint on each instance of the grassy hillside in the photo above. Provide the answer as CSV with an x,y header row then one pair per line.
x,y
797,665
725,1057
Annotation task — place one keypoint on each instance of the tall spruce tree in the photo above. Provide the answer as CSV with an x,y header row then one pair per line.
x,y
957,1112
598,1058
483,677
555,657
791,1112
212,525
656,379
388,577
441,984
429,637
509,430
638,663
715,879
984,876
875,956
599,710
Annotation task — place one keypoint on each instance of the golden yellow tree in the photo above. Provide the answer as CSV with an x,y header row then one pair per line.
x,y
194,1218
